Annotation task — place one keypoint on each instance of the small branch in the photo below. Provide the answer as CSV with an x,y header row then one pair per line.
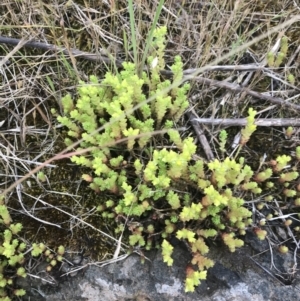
x,y
98,57
19,44
50,47
199,132
239,89
243,122
240,68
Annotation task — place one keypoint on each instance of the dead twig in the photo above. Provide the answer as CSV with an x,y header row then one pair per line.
x,y
226,122
19,44
199,132
50,47
98,57
239,89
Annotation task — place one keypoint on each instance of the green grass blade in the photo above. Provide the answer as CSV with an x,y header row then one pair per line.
x,y
133,32
150,36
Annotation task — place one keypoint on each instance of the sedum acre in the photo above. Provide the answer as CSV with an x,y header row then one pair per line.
x,y
160,183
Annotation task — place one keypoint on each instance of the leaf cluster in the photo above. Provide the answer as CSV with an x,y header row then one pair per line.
x,y
152,185
12,256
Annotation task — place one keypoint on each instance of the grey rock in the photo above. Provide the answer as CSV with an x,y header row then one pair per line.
x,y
235,277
